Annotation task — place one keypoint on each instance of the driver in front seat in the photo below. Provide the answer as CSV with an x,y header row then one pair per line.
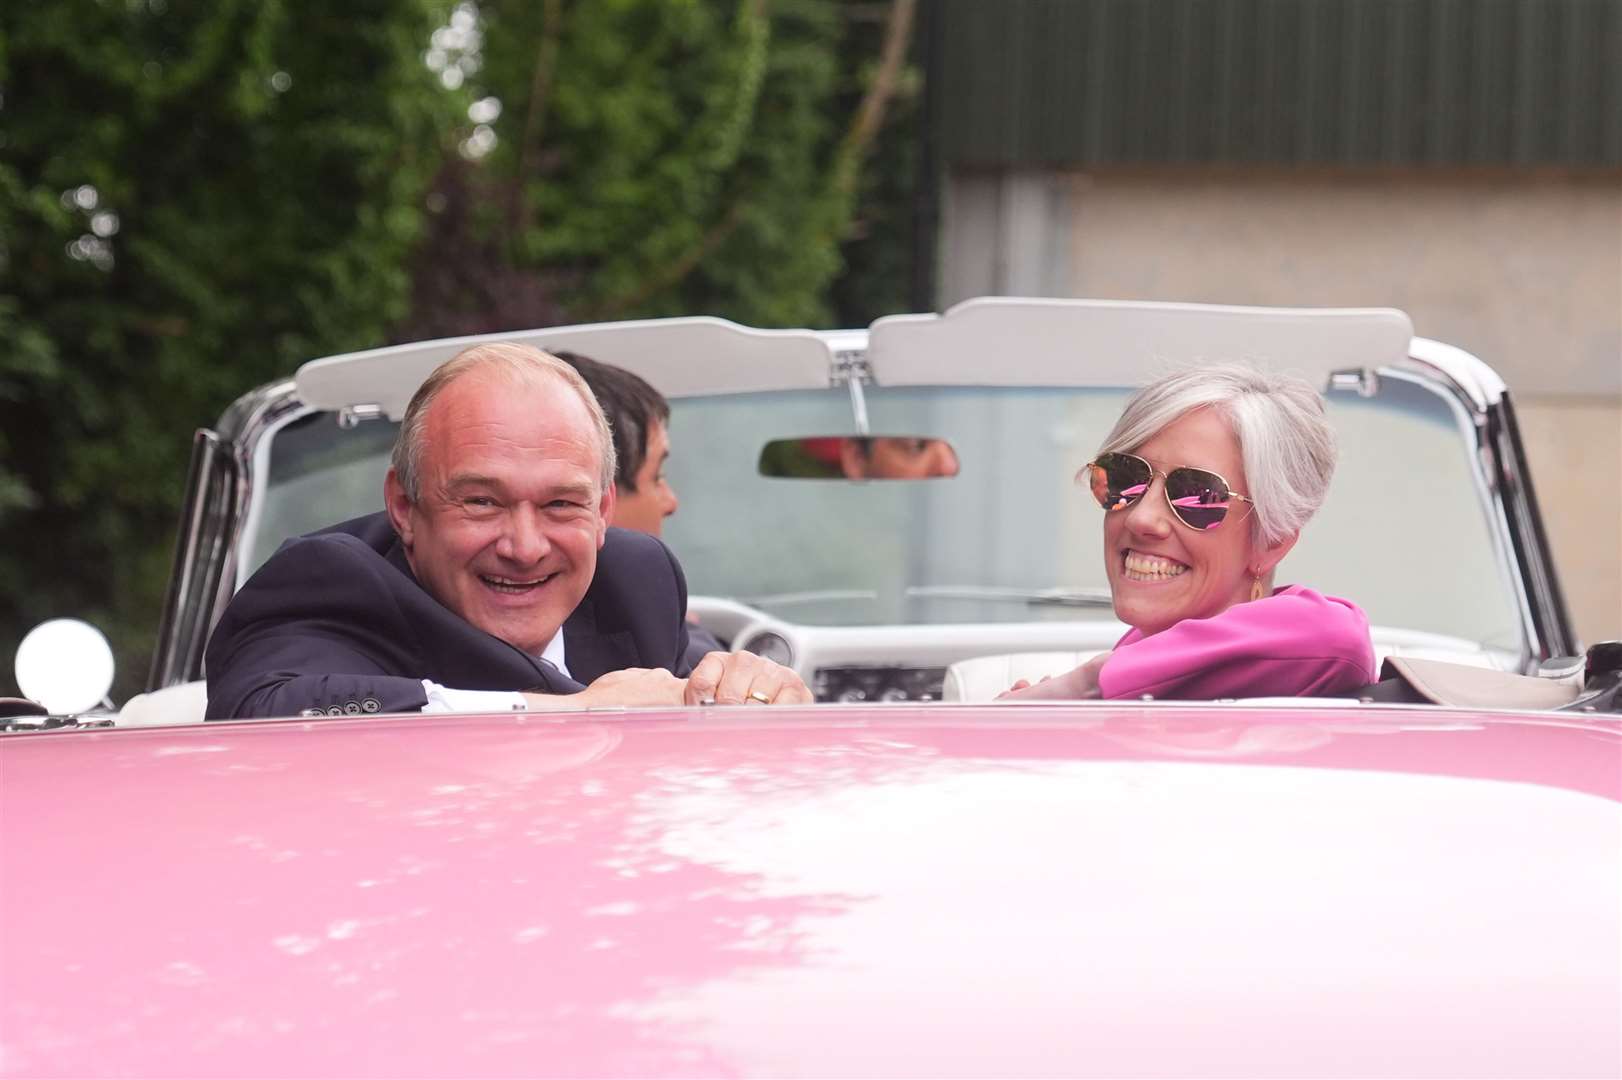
x,y
639,417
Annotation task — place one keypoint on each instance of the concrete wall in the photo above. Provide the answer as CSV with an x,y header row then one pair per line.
x,y
1576,449
1525,271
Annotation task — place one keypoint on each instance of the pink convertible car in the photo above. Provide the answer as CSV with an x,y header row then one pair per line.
x,y
885,883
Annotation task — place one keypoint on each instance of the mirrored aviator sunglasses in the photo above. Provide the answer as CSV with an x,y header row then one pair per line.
x,y
1199,498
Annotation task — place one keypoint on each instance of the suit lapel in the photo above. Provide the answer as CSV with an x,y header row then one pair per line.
x,y
556,682
591,653
547,676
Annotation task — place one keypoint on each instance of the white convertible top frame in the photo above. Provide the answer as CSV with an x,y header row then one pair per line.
x,y
1061,342
682,357
1123,343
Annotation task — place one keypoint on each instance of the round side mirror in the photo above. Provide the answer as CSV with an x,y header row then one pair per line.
x,y
66,665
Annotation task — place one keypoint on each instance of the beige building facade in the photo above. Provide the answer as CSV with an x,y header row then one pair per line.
x,y
1523,269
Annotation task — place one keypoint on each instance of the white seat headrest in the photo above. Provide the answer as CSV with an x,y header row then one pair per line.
x,y
186,703
982,678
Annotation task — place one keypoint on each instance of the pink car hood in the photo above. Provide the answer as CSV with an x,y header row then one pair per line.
x,y
936,891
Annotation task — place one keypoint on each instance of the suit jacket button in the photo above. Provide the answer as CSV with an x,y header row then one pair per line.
x,y
371,704
352,708
312,712
335,710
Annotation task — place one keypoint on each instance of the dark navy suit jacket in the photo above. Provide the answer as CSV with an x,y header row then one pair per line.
x,y
335,621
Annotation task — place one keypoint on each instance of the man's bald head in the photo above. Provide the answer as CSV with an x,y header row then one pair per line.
x,y
523,365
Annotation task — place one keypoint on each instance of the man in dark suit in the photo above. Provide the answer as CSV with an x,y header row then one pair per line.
x,y
490,581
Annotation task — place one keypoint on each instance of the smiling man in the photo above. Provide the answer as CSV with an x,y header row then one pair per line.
x,y
491,579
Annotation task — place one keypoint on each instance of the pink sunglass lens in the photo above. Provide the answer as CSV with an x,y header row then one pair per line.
x,y
1199,498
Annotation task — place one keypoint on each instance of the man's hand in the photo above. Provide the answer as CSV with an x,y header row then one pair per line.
x,y
1076,684
630,687
741,678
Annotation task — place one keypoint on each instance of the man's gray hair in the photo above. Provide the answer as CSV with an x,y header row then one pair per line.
x,y
1279,420
521,363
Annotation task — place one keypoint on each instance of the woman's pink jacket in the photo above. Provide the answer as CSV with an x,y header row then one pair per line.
x,y
1295,642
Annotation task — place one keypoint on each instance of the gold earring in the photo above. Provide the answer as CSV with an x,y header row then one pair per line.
x,y
1256,589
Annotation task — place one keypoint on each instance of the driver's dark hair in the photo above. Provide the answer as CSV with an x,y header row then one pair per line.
x,y
631,406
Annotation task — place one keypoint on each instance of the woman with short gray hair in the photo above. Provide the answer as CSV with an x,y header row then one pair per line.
x,y
1206,481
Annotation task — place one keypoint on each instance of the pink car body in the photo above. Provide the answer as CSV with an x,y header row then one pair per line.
x,y
1285,889
1041,890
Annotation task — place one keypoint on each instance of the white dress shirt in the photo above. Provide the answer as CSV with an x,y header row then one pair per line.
x,y
443,699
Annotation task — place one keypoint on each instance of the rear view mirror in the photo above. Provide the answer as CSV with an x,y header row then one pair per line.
x,y
859,457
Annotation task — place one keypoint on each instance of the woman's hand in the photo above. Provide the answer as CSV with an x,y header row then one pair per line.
x,y
1076,684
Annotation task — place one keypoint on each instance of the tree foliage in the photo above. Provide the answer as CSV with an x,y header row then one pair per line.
x,y
660,158
191,201
195,199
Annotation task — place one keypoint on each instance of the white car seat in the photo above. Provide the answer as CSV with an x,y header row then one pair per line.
x,y
982,678
184,703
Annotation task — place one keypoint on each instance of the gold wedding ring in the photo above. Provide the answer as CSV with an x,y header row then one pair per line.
x,y
756,695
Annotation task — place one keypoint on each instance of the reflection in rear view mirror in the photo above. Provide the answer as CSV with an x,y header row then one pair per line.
x,y
859,457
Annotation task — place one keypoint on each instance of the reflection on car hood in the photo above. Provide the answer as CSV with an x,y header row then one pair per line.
x,y
883,891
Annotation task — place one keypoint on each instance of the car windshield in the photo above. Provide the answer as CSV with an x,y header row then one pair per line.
x,y
1011,538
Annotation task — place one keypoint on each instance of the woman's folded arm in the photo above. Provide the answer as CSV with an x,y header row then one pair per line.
x,y
1295,642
